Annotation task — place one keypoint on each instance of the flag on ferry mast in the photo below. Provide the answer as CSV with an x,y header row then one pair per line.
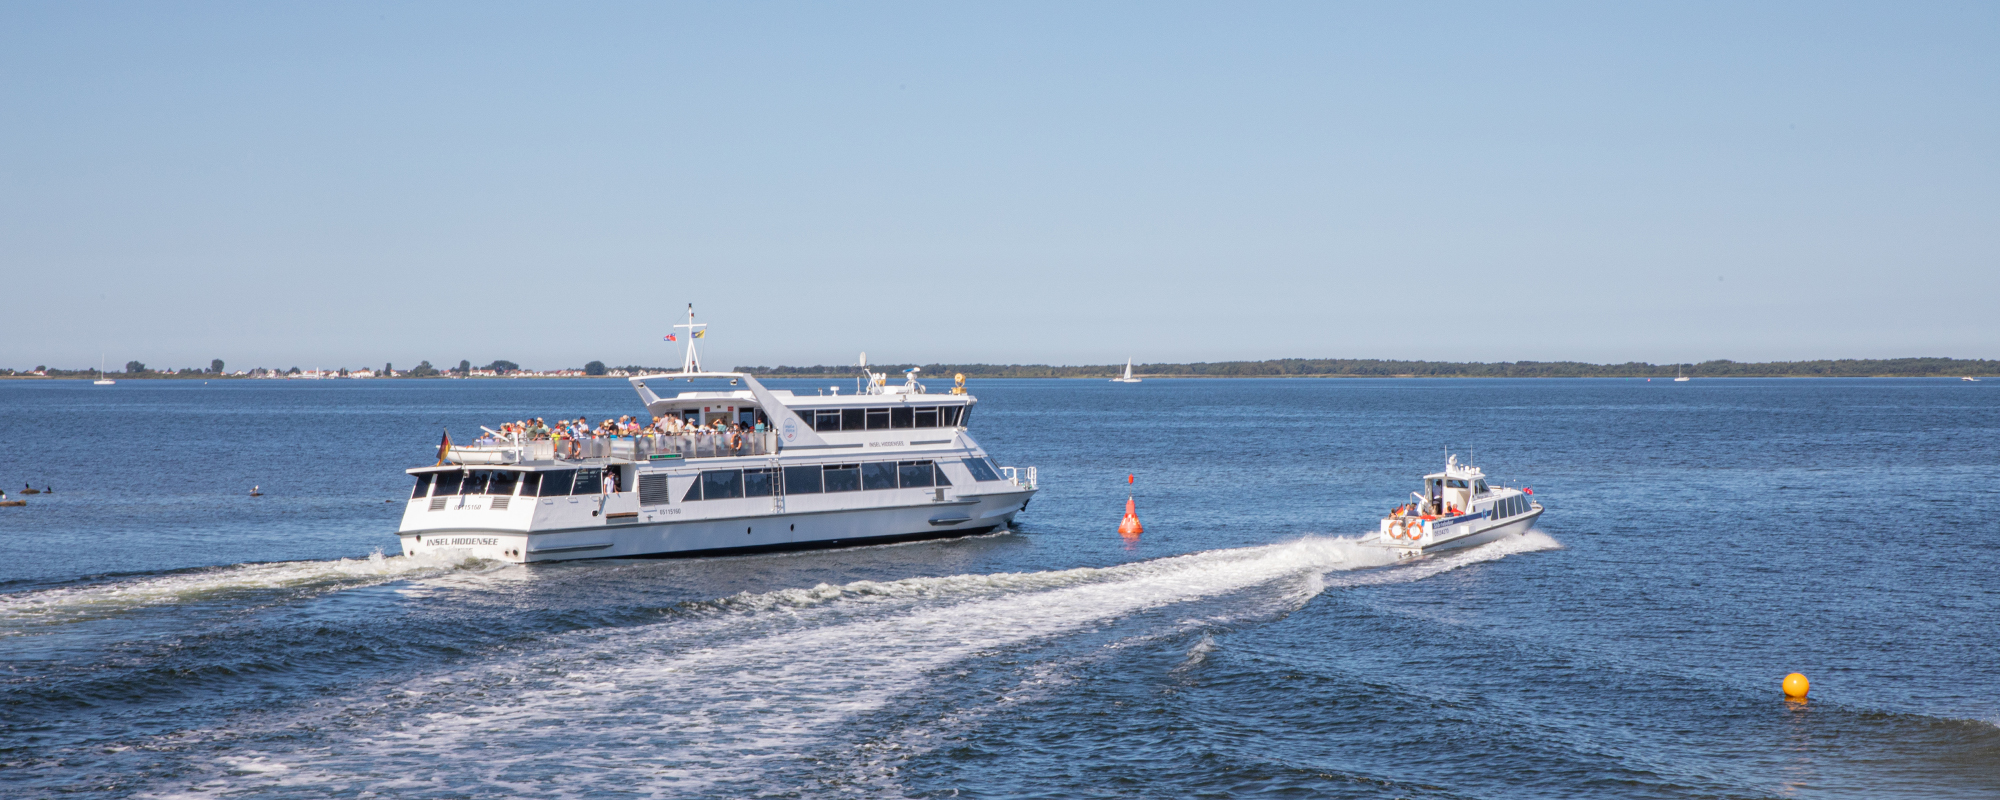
x,y
698,334
670,338
444,448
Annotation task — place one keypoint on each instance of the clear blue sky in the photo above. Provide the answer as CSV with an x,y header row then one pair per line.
x,y
344,184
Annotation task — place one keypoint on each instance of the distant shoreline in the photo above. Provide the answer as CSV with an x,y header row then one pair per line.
x,y
1275,368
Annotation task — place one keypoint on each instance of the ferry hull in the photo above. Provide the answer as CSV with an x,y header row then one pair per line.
x,y
726,536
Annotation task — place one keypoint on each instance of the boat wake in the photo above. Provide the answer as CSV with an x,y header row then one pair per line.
x,y
717,701
22,612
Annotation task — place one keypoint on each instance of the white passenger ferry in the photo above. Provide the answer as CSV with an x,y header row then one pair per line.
x,y
1457,509
893,463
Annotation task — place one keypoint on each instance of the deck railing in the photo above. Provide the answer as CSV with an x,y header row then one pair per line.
x,y
657,447
1023,477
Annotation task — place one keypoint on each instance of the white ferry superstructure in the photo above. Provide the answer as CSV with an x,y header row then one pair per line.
x,y
1457,509
892,464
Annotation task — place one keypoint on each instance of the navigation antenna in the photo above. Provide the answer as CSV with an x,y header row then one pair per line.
x,y
692,363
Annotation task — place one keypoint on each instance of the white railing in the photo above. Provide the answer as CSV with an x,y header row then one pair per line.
x,y
1023,477
657,447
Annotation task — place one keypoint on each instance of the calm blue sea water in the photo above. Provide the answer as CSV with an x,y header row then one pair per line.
x,y
164,634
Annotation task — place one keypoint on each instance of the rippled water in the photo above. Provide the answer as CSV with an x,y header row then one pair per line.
x,y
163,634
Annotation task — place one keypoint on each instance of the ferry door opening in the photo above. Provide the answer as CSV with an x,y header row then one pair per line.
x,y
691,416
1436,493
750,417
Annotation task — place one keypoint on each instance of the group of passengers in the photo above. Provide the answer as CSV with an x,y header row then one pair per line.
x,y
575,431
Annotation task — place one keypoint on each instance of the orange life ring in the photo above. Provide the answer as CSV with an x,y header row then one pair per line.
x,y
735,440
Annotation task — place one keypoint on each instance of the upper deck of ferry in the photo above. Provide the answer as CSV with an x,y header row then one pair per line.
x,y
707,418
762,422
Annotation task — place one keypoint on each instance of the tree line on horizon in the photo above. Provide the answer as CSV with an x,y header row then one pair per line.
x,y
1380,368
1274,368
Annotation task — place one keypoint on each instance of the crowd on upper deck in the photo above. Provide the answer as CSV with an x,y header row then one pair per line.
x,y
624,427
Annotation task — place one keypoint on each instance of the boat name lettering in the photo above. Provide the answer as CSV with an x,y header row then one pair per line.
x,y
461,541
885,444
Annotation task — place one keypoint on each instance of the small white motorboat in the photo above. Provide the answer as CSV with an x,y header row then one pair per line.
x,y
1970,378
1457,509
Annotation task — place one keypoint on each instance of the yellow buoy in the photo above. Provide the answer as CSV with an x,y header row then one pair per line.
x,y
1796,685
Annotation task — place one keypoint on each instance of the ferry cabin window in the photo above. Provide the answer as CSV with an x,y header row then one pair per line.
x,y
447,484
851,419
827,421
503,482
531,484
842,477
555,483
691,416
760,482
475,482
902,417
878,475
721,484
423,486
915,474
927,417
878,418
1478,487
981,469
803,480
1454,483
588,481
947,416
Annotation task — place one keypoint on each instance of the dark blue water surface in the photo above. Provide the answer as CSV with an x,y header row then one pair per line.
x,y
162,633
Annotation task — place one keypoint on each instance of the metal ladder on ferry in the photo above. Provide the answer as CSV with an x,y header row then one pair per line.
x,y
777,486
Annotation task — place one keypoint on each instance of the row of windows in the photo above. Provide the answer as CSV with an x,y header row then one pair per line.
x,y
868,419
728,484
554,483
1518,504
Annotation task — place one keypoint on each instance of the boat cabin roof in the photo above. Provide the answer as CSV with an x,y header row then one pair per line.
x,y
1453,469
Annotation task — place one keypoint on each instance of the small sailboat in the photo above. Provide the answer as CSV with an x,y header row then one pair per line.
x,y
1678,377
1969,378
101,380
1128,374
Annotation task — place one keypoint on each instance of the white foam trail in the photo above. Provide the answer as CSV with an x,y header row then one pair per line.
x,y
25,610
675,707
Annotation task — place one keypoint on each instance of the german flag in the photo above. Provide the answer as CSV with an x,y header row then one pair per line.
x,y
444,448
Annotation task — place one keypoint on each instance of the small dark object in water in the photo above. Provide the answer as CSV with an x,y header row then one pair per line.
x,y
255,493
13,503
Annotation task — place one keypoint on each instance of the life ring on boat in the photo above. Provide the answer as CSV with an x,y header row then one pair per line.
x,y
735,440
1396,530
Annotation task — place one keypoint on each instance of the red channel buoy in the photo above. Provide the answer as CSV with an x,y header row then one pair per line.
x,y
1130,525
